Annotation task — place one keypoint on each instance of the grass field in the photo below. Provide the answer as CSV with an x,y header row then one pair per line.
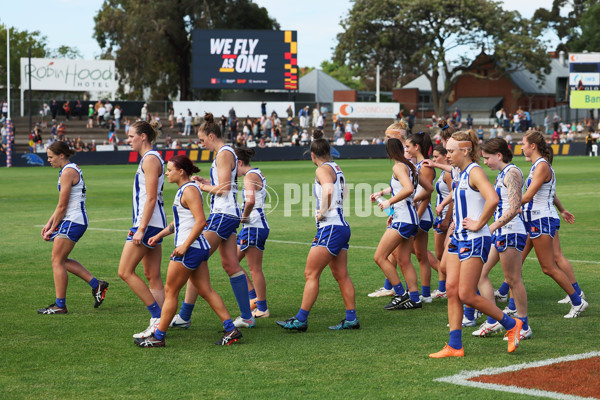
x,y
89,353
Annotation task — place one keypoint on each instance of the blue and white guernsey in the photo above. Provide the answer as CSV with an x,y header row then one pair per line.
x,y
335,214
158,219
257,217
226,203
427,214
542,202
184,219
76,211
443,191
404,210
468,202
516,225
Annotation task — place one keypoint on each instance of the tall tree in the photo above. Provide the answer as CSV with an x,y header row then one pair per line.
x,y
20,42
436,37
151,41
69,52
575,22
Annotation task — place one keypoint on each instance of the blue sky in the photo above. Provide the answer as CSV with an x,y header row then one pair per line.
x,y
71,22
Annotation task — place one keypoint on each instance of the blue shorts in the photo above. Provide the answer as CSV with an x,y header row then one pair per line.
x,y
333,237
404,229
68,230
478,247
150,231
541,226
252,237
436,225
556,222
224,225
193,258
510,240
425,226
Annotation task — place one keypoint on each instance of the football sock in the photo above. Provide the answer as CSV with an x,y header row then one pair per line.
x,y
399,289
62,303
503,289
577,288
507,322
414,296
252,294
302,315
261,305
93,283
491,320
228,325
426,291
154,309
525,323
442,286
511,304
575,299
469,313
186,311
387,284
350,315
455,339
240,291
160,335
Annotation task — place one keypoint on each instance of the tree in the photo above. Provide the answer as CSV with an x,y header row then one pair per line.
x,y
343,73
71,53
577,28
20,42
151,41
418,36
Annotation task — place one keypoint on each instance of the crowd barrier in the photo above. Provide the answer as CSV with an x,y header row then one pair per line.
x,y
266,154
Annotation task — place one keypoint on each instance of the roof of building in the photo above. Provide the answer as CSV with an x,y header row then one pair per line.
x,y
477,103
321,84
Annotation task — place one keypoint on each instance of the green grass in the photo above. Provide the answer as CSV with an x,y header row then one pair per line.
x,y
90,352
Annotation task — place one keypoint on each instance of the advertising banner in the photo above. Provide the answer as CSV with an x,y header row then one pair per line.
x,y
585,99
244,59
69,75
366,110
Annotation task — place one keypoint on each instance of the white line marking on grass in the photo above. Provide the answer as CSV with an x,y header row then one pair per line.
x,y
463,377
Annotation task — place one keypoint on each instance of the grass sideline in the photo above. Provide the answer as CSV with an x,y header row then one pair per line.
x,y
90,352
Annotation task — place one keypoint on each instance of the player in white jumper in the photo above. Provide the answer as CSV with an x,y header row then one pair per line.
x,y
255,230
474,203
509,234
148,219
538,215
65,227
222,223
398,237
189,259
330,245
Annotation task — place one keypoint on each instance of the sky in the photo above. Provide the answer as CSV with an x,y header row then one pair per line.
x,y
71,22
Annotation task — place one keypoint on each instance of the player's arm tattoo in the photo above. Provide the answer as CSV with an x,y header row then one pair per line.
x,y
514,185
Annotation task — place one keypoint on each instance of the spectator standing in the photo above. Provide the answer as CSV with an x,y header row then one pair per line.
x,y
232,116
53,109
480,133
263,108
117,114
78,109
411,120
469,121
180,123
355,127
320,122
101,114
171,118
315,116
290,112
144,112
109,108
457,114
555,122
197,122
547,124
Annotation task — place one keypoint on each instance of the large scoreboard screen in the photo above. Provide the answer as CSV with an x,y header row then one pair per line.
x,y
244,59
584,80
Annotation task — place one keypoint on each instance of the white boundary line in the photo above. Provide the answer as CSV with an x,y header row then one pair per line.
x,y
463,377
301,243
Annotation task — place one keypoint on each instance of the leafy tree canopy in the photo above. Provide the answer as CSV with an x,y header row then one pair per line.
x,y
151,41
439,36
20,41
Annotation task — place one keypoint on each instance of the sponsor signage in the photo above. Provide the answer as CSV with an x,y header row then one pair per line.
x,y
585,99
69,75
587,79
366,110
244,59
584,58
